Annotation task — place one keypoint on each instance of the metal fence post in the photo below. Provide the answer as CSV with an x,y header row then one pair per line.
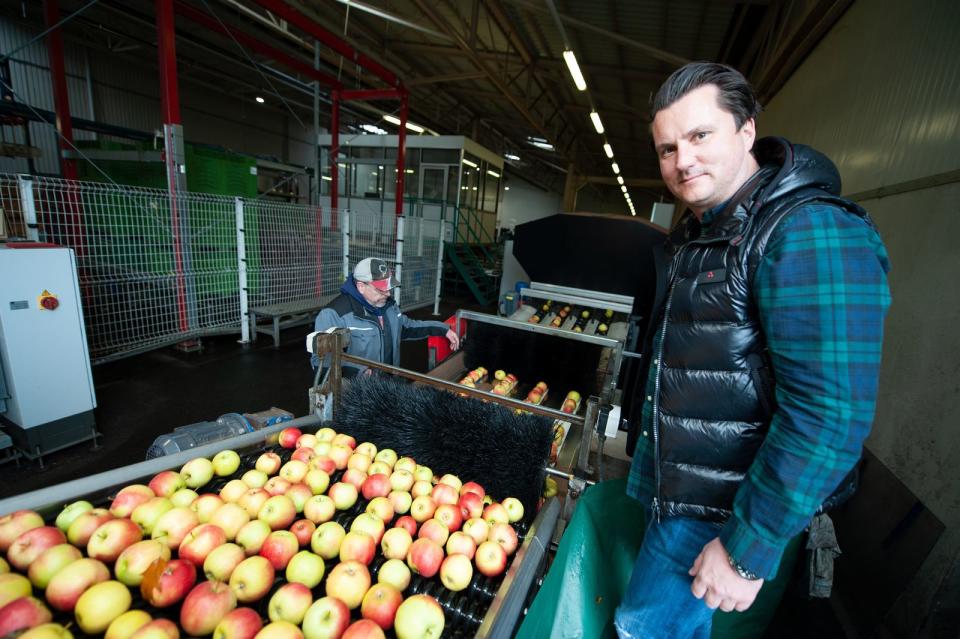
x,y
399,260
440,242
242,273
27,205
346,244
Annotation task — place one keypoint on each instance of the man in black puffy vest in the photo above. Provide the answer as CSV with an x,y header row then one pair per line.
x,y
763,353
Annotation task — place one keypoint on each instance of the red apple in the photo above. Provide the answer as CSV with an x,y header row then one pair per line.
x,y
205,607
278,511
355,477
15,524
279,547
67,585
220,563
348,582
364,629
112,538
491,558
435,530
166,583
327,618
50,562
471,505
495,514
342,439
319,509
456,571
327,538
289,436
200,542
340,455
303,530
394,572
133,562
303,453
129,498
173,526
380,604
395,543
252,579
358,547
157,629
31,543
370,524
450,516
22,614
506,536
277,485
408,523
444,494
290,603
460,543
375,486
166,483
424,557
324,463
268,463
419,617
240,623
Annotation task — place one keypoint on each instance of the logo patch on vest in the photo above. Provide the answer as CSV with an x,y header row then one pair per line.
x,y
712,277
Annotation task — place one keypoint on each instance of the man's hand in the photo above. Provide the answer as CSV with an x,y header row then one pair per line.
x,y
718,584
453,339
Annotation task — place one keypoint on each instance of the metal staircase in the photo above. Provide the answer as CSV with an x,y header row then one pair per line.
x,y
474,257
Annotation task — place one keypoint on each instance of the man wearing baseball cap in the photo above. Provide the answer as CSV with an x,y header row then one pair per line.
x,y
376,324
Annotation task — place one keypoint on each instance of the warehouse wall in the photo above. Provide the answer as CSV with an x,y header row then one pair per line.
x,y
881,96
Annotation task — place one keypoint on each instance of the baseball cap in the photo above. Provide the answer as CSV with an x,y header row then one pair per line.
x,y
375,272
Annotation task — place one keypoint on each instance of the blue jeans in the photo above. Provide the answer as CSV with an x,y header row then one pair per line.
x,y
658,602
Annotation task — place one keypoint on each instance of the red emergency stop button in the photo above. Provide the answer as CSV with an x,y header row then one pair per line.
x,y
48,301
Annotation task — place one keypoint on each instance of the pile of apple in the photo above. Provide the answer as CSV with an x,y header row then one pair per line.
x,y
537,394
474,377
505,383
571,402
217,555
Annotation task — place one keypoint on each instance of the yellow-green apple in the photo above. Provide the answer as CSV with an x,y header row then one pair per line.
x,y
379,468
100,604
394,572
408,464
450,516
326,434
299,494
71,512
148,513
408,523
4,566
252,579
340,454
303,531
401,480
514,509
452,480
355,477
327,538
133,562
444,494
424,557
252,536
421,489
423,473
342,439
184,497
13,586
279,547
495,514
434,529
305,568
166,583
381,508
303,453
395,543
388,456
197,472
358,546
491,558
471,505
67,585
129,498
22,614
419,617
366,448
289,436
200,542
473,487
327,618
307,440
47,631
401,501
278,511
253,500
231,518
219,564
319,509
173,526
348,581
279,630
126,624
359,461
233,490
294,471
380,604
324,463
290,603
157,629
205,505
422,508
456,571
370,524
375,486
317,481
205,606
50,562
31,543
240,623
506,536
166,483
343,494
254,478
460,543
225,463
268,463
112,538
478,529
321,448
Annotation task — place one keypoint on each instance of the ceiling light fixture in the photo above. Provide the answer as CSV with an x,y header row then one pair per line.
x,y
510,156
392,119
493,173
574,68
620,180
616,168
259,100
470,163
597,124
608,150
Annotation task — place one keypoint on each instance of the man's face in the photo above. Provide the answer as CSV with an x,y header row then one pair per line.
x,y
372,294
703,157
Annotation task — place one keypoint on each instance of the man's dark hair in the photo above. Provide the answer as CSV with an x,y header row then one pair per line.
x,y
736,95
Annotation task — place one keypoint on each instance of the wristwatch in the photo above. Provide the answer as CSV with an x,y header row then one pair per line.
x,y
743,572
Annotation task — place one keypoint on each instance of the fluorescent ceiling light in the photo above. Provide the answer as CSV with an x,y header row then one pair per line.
x,y
623,188
510,156
327,178
259,99
493,173
407,170
470,163
574,68
392,119
620,180
506,188
540,143
597,124
608,150
616,168
373,128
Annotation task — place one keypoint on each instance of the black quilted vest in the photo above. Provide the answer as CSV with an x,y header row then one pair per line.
x,y
715,384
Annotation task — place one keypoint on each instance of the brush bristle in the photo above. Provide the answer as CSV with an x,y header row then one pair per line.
x,y
477,441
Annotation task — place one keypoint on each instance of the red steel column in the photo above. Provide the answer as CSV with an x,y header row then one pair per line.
x,y
334,151
51,13
401,152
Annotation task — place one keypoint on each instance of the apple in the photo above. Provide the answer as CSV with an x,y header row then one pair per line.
x,y
358,547
239,623
112,538
126,624
395,543
83,526
157,629
452,480
491,558
514,509
231,518
324,463
277,485
366,448
220,563
379,468
255,478
294,471
359,461
400,501
253,500
375,486
478,529
319,509
47,631
317,481
50,562
205,606
303,454
326,434
424,557
348,582
355,477
405,463
408,523
279,547
289,436
134,561
396,573
450,516
380,604
506,536
340,455
388,456
568,406
22,614
364,629
460,543
303,530
342,439
184,497
13,586
434,529
419,617
71,512
166,483
370,524
197,472
495,514
252,536
278,511
299,494
173,526
444,494
321,448
4,566
225,463
421,489
327,618
31,543
233,489
305,568
129,498
268,463
422,508
166,583
327,538
148,513
252,578
279,630
290,603
307,440
471,505
200,542
73,579
381,508
456,571
422,473
344,495
100,604
205,505
401,480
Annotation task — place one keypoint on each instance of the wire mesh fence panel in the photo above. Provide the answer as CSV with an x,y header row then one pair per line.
x,y
372,234
422,246
12,222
